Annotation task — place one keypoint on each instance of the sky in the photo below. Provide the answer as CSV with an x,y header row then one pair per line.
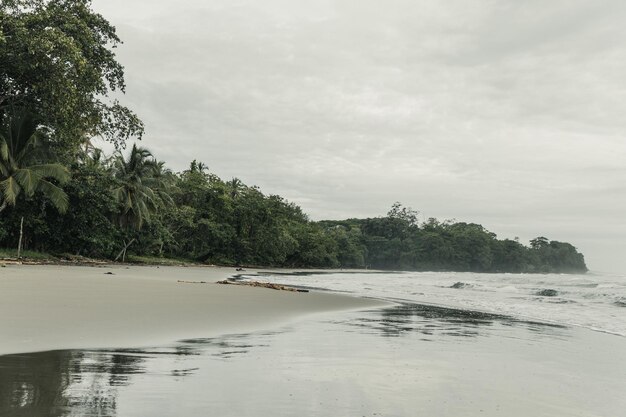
x,y
505,113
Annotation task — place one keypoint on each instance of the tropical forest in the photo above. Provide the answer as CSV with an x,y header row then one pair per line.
x,y
62,195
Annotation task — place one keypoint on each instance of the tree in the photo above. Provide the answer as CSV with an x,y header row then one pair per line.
x,y
24,162
472,246
56,57
539,242
140,191
235,188
407,214
86,228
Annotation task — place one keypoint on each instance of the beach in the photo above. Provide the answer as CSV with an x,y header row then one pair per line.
x,y
52,307
137,342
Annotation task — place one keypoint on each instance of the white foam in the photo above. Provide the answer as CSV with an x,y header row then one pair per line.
x,y
578,301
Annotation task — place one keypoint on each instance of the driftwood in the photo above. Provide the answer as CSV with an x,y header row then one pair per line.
x,y
191,282
5,262
72,260
263,285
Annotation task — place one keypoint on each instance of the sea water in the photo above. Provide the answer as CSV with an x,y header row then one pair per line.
x,y
452,344
595,301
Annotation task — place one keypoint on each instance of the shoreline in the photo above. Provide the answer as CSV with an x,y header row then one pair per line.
x,y
377,361
55,260
53,307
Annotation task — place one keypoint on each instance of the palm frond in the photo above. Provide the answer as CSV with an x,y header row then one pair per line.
x,y
23,134
4,148
56,195
143,184
4,169
56,171
10,190
27,179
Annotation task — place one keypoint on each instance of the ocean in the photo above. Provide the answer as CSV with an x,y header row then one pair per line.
x,y
451,344
596,301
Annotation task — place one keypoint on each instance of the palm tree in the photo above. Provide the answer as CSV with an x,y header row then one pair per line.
x,y
24,162
163,182
196,166
235,188
143,188
138,200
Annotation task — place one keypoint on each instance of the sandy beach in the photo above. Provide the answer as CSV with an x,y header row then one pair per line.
x,y
68,307
136,342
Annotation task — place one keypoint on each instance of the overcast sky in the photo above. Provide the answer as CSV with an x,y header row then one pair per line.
x,y
511,114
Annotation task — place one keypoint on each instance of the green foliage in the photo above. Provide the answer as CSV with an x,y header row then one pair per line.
x,y
399,242
557,257
228,222
406,214
29,254
57,67
350,250
57,59
140,187
84,229
195,215
24,162
511,256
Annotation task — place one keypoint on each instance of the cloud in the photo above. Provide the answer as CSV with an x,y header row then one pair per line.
x,y
505,113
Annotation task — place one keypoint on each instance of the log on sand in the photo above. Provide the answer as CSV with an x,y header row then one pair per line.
x,y
264,285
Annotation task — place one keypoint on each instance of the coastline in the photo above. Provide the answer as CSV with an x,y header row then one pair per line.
x,y
284,352
55,307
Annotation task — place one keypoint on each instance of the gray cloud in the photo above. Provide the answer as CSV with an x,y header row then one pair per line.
x,y
505,113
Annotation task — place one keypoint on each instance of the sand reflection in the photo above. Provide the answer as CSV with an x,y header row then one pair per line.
x,y
88,382
440,322
64,383
212,370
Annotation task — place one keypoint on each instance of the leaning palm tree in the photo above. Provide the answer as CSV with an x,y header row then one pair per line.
x,y
134,194
142,188
25,166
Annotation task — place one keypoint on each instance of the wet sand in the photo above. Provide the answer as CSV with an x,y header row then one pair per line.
x,y
406,360
68,307
240,352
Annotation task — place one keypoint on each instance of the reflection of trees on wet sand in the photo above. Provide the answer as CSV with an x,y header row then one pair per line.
x,y
85,383
31,384
431,320
63,383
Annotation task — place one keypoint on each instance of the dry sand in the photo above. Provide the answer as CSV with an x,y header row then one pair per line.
x,y
69,307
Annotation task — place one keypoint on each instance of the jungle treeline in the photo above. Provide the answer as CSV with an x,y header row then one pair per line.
x,y
62,195
132,199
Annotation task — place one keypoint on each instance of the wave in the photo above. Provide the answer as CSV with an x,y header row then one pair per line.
x,y
620,303
565,300
548,292
586,285
460,285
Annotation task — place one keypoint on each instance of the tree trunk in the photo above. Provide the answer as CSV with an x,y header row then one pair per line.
x,y
123,251
3,206
19,243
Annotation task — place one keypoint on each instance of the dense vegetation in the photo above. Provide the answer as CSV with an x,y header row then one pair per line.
x,y
134,200
60,194
397,241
